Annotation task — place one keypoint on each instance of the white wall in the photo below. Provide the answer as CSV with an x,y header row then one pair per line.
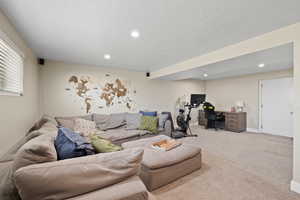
x,y
285,35
19,113
150,94
224,93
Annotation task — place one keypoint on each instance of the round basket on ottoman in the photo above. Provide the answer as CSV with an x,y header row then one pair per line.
x,y
162,167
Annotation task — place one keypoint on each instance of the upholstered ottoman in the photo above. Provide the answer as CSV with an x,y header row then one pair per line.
x,y
162,167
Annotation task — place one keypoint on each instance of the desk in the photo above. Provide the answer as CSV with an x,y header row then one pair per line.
x,y
234,121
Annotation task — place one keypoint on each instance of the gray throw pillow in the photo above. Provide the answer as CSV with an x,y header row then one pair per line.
x,y
133,121
162,118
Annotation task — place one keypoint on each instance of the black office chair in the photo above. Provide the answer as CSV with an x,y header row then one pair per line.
x,y
214,120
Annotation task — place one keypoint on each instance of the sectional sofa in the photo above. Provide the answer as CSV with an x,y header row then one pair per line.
x,y
30,170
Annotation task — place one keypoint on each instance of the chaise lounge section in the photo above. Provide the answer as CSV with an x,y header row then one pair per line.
x,y
159,167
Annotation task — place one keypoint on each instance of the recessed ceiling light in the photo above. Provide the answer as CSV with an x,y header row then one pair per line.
x,y
205,75
261,65
107,56
135,34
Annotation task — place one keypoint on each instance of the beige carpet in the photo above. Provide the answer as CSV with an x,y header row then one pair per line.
x,y
236,166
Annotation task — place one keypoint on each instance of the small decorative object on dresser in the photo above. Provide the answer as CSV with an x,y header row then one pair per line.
x,y
240,105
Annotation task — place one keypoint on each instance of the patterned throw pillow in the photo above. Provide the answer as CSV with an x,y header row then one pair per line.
x,y
149,123
84,127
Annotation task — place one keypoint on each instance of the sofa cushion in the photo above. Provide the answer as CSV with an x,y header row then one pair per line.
x,y
102,145
38,150
149,123
47,128
41,122
106,122
121,133
133,121
84,127
73,177
155,159
8,191
69,144
68,122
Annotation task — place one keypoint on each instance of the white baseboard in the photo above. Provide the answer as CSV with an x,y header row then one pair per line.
x,y
253,130
295,187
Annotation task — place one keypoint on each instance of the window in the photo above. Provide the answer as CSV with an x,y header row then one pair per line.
x,y
11,69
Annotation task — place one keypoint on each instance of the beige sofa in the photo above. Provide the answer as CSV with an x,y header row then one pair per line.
x,y
30,170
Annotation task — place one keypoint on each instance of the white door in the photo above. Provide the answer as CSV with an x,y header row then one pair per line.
x,y
277,106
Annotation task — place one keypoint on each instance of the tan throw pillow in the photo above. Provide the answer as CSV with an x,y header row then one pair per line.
x,y
84,127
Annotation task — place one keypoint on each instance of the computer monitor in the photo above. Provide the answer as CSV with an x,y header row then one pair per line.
x,y
197,99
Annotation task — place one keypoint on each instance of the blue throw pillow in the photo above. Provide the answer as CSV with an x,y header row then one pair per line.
x,y
69,144
151,114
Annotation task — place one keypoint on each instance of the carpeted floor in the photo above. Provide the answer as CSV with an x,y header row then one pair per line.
x,y
236,166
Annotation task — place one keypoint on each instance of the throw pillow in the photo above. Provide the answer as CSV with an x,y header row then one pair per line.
x,y
38,150
69,144
133,121
149,123
102,145
84,127
148,113
162,118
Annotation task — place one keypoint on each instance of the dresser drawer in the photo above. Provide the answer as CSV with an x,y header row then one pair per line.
x,y
231,120
232,116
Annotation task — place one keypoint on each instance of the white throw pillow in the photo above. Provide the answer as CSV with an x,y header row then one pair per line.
x,y
84,127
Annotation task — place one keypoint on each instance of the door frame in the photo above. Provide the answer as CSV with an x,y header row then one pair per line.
x,y
260,129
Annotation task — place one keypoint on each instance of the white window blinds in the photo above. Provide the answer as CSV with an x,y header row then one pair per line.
x,y
11,69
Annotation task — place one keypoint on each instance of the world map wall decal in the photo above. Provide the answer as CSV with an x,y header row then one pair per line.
x,y
97,93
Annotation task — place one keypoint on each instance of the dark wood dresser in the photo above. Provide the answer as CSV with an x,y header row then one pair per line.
x,y
234,121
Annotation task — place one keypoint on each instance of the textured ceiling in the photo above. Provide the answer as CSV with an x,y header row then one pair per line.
x,y
83,31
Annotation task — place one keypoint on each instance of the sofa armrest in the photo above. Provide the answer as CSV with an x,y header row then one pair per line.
x,y
72,177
